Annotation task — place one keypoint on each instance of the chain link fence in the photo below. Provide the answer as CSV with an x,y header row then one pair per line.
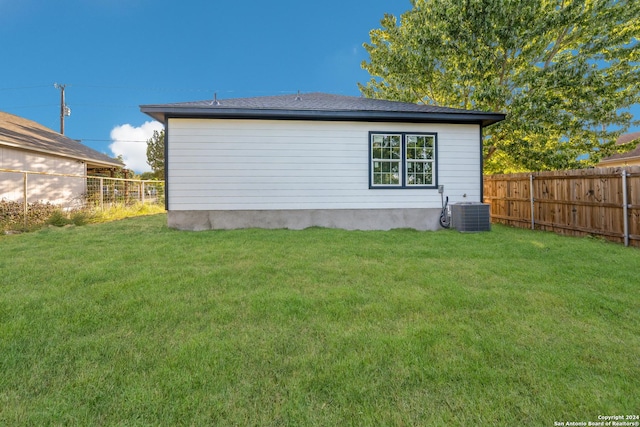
x,y
29,198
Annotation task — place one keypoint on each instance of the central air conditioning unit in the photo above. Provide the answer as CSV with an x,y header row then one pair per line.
x,y
470,217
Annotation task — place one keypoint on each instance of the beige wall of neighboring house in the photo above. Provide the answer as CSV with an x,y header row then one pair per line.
x,y
41,188
627,161
28,146
13,158
630,158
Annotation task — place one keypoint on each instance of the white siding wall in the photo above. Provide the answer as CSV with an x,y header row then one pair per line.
x,y
265,165
41,188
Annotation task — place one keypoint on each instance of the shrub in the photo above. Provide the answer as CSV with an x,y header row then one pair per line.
x,y
58,219
82,217
41,214
12,215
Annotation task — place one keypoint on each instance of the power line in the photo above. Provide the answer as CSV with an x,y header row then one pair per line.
x,y
32,106
24,87
147,89
110,140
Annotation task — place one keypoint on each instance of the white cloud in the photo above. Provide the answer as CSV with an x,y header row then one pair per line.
x,y
131,143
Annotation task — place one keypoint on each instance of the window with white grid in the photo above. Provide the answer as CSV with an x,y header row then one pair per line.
x,y
402,160
386,151
420,159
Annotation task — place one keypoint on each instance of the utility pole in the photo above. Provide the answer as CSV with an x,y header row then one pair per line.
x,y
64,110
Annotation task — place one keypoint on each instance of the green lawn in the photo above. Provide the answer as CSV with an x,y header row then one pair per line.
x,y
131,323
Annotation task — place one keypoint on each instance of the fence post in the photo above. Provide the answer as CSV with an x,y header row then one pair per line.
x,y
101,194
625,208
142,192
26,203
533,220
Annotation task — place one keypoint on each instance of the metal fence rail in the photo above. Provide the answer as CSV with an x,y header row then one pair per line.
x,y
25,195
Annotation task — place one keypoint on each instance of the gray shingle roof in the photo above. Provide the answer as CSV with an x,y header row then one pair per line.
x,y
319,106
26,134
623,139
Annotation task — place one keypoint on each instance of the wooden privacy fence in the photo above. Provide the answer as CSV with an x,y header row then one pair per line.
x,y
603,202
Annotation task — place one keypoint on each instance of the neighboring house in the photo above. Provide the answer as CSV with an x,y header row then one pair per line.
x,y
28,146
297,161
630,158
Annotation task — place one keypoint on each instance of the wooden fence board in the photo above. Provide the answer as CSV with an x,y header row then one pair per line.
x,y
577,202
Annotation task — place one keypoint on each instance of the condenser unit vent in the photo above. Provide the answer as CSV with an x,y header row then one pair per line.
x,y
470,217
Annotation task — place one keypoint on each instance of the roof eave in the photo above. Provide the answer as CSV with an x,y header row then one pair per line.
x,y
103,164
63,155
620,159
162,113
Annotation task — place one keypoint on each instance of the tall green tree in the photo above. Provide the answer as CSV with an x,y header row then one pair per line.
x,y
155,154
566,72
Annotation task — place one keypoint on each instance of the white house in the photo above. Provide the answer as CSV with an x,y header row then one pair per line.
x,y
29,146
297,161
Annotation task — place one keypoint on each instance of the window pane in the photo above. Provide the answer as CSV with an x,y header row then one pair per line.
x,y
411,152
390,168
420,147
419,173
419,155
385,179
395,146
428,154
428,167
430,141
386,172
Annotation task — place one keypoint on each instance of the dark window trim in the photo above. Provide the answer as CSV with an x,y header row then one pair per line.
x,y
403,162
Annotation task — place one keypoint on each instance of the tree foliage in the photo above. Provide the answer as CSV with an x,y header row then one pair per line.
x,y
565,71
155,154
147,176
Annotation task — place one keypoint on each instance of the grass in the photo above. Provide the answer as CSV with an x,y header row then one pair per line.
x,y
131,323
119,211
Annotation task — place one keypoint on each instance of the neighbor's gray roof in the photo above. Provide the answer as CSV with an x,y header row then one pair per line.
x,y
26,134
319,106
624,139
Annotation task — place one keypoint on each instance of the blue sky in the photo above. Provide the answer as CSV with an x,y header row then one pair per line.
x,y
114,55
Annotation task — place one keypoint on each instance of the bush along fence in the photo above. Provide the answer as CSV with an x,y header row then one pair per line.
x,y
28,198
602,202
